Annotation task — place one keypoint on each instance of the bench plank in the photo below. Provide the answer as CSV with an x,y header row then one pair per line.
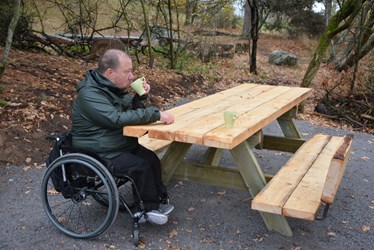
x,y
336,171
311,176
306,198
153,144
275,194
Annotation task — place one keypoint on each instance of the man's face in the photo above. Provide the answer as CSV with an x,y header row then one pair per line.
x,y
121,76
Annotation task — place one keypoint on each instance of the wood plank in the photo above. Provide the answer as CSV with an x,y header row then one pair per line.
x,y
287,124
206,118
212,156
279,143
187,108
254,120
217,176
336,170
306,198
195,133
153,144
276,193
173,156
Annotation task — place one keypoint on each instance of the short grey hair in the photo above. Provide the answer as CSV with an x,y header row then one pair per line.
x,y
110,59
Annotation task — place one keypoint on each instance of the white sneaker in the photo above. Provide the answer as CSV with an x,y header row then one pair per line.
x,y
166,208
154,217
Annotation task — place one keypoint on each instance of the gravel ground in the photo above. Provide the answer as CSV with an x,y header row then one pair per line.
x,y
205,217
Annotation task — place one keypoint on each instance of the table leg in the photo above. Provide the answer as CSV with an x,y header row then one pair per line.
x,y
287,124
213,156
255,181
172,158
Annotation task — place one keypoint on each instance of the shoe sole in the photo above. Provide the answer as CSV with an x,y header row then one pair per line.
x,y
167,212
157,219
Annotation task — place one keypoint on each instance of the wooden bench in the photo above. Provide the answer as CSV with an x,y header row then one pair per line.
x,y
153,144
309,179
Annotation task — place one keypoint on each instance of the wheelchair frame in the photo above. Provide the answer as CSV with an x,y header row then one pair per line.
x,y
81,197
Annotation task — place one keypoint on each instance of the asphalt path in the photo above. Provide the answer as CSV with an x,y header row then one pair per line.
x,y
205,217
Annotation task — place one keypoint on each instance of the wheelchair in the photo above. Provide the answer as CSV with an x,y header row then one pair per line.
x,y
80,195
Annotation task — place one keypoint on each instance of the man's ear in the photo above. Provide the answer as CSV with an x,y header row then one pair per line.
x,y
108,72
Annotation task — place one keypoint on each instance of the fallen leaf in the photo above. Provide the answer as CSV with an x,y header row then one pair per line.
x,y
39,166
190,209
28,160
52,191
221,193
365,158
172,233
331,234
366,228
26,168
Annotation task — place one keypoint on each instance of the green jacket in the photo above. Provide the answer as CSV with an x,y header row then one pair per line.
x,y
99,113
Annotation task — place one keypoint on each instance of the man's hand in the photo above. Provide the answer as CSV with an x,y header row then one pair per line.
x,y
166,117
146,87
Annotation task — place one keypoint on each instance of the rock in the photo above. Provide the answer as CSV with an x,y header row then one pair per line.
x,y
282,58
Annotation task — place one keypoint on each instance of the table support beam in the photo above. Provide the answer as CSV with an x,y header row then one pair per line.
x,y
255,181
280,143
211,175
287,124
172,158
213,156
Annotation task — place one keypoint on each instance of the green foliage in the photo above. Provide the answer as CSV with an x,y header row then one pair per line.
x,y
3,102
2,88
184,60
78,49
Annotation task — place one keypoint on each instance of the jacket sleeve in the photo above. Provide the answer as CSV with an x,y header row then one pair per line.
x,y
140,101
111,113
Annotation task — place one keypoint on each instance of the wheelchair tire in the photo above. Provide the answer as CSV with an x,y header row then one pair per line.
x,y
76,213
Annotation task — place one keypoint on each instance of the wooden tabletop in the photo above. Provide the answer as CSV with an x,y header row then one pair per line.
x,y
201,121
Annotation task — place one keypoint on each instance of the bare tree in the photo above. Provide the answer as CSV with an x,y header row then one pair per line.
x,y
246,21
328,10
9,40
148,32
361,40
346,14
254,35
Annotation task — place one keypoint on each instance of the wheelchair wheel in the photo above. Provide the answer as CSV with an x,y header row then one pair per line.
x,y
71,207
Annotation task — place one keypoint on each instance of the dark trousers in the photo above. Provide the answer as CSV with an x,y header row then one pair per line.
x,y
144,167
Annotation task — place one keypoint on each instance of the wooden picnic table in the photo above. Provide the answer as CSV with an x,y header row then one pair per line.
x,y
201,122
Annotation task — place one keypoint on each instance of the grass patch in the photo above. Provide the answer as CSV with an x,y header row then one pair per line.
x,y
3,102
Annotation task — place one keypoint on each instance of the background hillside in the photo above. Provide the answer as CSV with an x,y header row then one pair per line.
x,y
38,86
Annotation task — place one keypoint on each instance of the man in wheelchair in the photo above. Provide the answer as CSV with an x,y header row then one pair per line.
x,y
101,108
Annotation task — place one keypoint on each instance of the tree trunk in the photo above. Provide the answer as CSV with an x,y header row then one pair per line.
x,y
188,12
9,40
246,21
254,34
170,34
150,55
328,8
349,9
